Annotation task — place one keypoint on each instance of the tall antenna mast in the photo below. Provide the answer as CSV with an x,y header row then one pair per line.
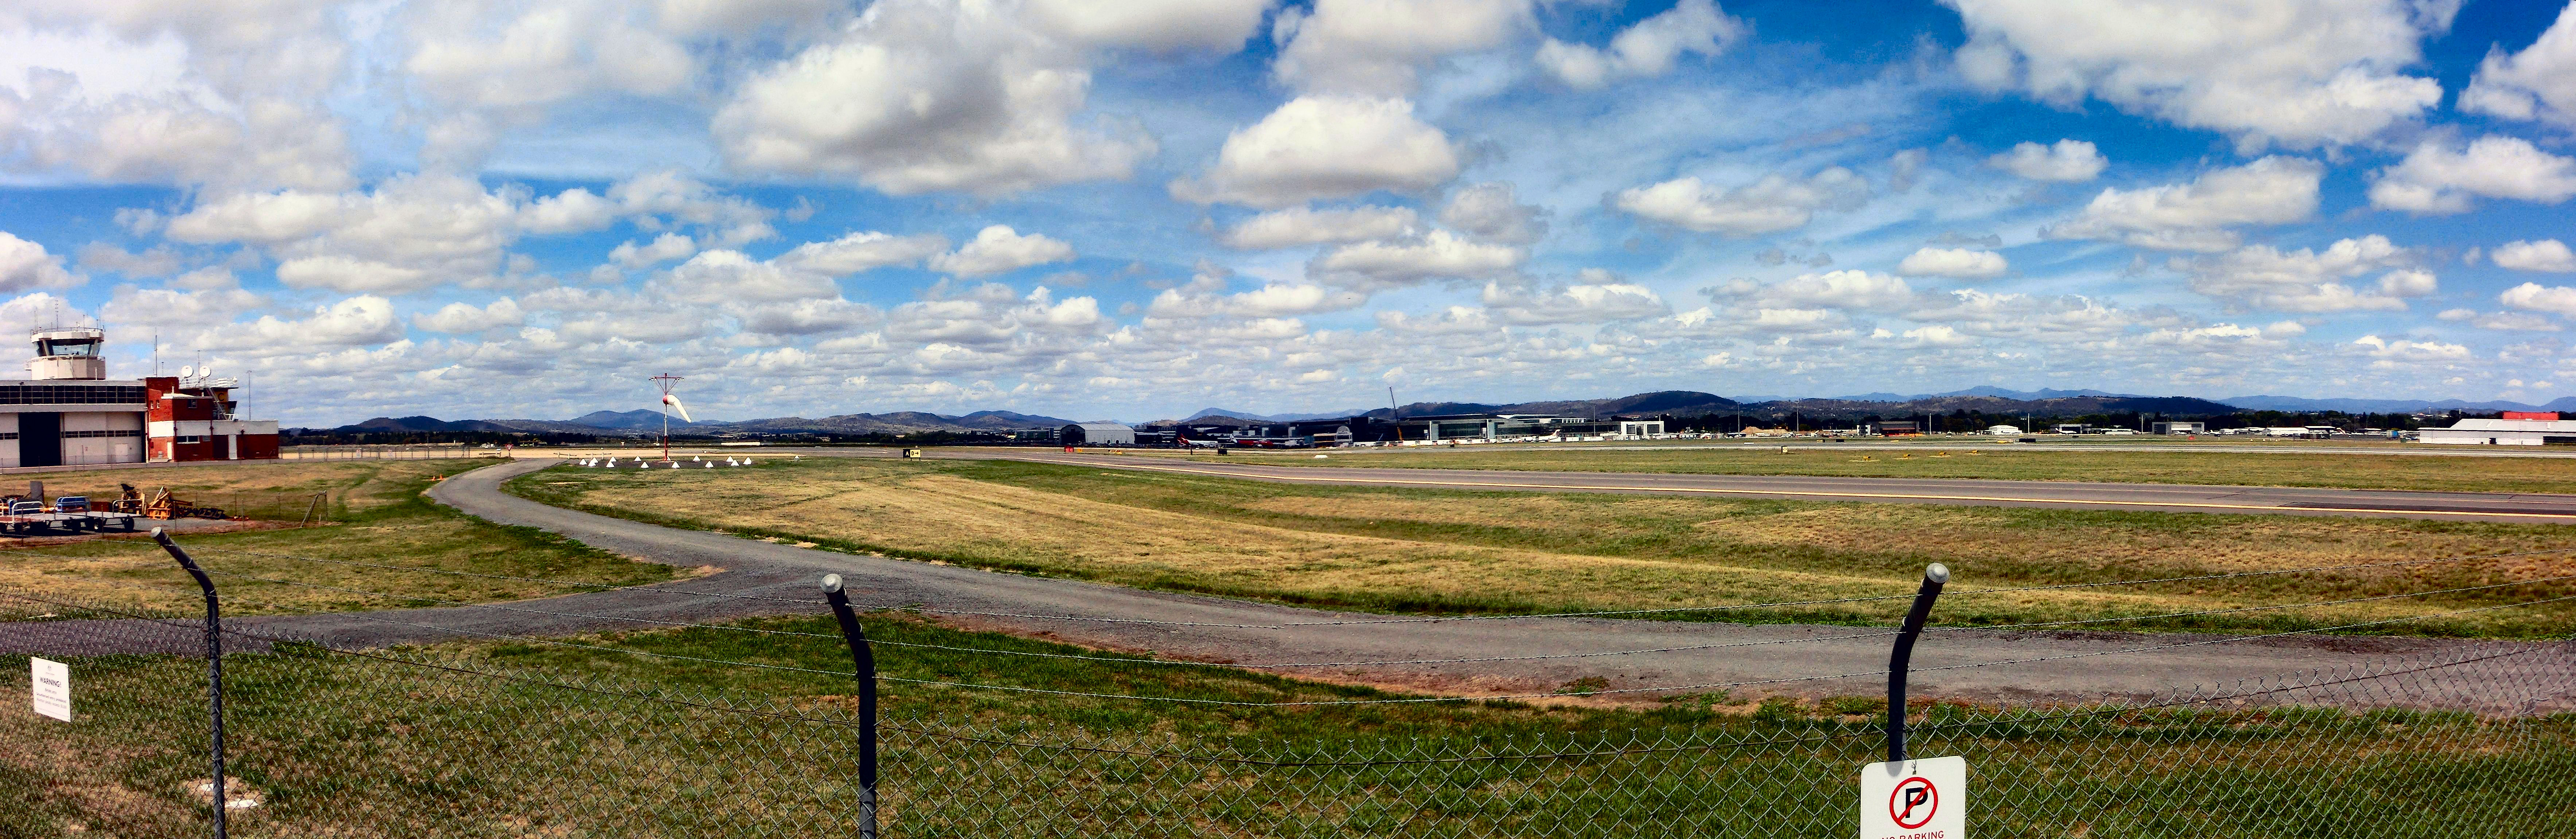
x,y
666,380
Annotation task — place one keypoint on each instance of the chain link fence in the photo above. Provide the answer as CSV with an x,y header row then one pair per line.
x,y
437,741
290,506
423,451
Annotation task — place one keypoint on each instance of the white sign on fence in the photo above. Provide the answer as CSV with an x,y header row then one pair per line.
x,y
53,681
1915,799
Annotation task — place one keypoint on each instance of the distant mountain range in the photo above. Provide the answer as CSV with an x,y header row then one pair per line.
x,y
1223,414
1992,401
1982,390
1686,403
2390,406
645,421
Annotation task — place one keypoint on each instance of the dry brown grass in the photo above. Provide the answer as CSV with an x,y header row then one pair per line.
x,y
377,515
2183,464
1441,550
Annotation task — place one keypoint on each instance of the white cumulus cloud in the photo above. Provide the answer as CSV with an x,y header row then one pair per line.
x,y
1376,47
2301,73
1159,25
1306,226
1388,264
1646,48
468,318
1847,289
1317,147
1770,205
997,249
2067,160
2307,280
2440,177
1205,296
2194,216
2536,83
925,95
2535,297
25,266
663,248
2546,255
1961,263
1600,298
1491,212
2409,353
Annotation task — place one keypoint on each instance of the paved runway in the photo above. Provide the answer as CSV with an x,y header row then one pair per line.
x,y
2454,506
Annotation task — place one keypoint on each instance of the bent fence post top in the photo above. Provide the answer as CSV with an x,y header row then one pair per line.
x,y
1934,577
214,669
863,660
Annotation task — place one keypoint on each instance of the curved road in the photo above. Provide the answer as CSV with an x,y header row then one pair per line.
x,y
2082,666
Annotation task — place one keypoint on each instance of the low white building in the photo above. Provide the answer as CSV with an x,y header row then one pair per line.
x,y
2004,430
2502,432
1640,428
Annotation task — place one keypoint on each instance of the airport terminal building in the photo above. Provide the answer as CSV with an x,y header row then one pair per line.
x,y
68,413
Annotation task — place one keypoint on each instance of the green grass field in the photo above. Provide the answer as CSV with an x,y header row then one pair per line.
x,y
377,515
1450,551
2046,462
528,740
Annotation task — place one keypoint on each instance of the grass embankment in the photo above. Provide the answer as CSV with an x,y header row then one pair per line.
x,y
339,745
1449,551
377,514
2046,462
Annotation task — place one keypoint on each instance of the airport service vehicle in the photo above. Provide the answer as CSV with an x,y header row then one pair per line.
x,y
69,513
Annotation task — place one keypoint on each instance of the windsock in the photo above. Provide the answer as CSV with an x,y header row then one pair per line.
x,y
673,400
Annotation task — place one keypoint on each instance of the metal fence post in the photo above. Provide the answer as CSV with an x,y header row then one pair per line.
x,y
865,660
1934,576
214,667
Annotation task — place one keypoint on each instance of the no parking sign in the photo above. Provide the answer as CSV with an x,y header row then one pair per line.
x,y
1914,799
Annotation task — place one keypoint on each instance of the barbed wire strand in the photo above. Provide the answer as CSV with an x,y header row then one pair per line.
x,y
1921,728
1310,703
1924,727
1380,663
1298,665
1411,700
1371,621
1785,680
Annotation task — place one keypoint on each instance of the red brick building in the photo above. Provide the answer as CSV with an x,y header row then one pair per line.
x,y
195,420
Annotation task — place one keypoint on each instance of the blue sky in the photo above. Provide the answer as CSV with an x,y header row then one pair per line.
x,y
1137,209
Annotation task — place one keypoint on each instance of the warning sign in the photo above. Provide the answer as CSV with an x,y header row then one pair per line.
x,y
1914,799
53,683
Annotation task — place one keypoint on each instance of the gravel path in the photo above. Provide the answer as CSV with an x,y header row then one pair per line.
x,y
2081,665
